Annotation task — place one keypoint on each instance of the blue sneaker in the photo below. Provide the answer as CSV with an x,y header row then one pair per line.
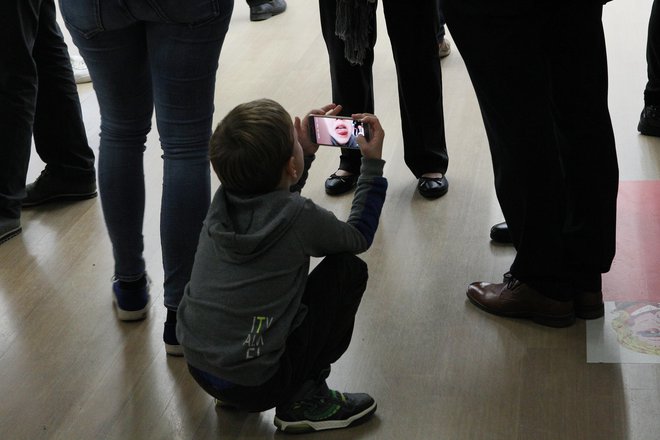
x,y
131,305
172,346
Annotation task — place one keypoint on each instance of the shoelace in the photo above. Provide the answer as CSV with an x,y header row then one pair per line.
x,y
510,280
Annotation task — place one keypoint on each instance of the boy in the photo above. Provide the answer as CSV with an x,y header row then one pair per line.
x,y
258,331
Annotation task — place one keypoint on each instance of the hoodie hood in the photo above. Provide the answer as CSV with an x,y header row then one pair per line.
x,y
243,227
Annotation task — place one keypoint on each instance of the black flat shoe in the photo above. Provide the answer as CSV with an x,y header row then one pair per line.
x,y
432,187
499,233
336,185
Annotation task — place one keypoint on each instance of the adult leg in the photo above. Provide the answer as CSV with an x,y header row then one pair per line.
x,y
412,32
578,64
352,85
118,63
59,133
19,24
183,64
514,96
441,23
649,121
652,91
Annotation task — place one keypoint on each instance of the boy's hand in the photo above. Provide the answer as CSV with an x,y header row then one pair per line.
x,y
302,127
373,149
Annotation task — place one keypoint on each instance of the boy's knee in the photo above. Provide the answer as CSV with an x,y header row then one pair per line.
x,y
348,263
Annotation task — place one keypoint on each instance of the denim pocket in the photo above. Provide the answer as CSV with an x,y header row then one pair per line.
x,y
83,16
190,12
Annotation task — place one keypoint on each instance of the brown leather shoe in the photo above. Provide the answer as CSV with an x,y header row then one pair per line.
x,y
515,299
589,305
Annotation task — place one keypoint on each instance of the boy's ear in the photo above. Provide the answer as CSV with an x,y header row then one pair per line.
x,y
291,167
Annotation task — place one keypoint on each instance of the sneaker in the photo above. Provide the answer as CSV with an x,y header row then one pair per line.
x,y
49,187
325,409
9,227
267,10
172,346
649,121
80,72
444,48
131,304
224,405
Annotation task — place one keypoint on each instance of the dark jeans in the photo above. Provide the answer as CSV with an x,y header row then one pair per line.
x,y
413,34
544,105
140,55
332,296
38,96
652,91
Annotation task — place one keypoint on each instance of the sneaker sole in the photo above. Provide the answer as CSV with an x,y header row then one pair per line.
x,y
173,350
10,234
59,197
130,315
302,426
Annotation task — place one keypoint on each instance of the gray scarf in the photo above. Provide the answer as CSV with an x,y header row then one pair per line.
x,y
353,23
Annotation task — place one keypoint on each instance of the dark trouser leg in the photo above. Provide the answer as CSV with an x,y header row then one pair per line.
x,y
526,104
352,86
332,296
578,67
19,23
59,133
440,35
412,32
652,91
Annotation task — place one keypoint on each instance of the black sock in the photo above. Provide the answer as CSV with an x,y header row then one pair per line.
x,y
134,285
171,316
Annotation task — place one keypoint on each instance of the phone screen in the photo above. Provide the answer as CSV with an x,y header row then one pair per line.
x,y
336,131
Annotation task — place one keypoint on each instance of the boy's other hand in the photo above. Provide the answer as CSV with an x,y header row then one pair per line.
x,y
302,127
372,149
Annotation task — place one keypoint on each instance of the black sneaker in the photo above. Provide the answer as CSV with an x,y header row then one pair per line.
x,y
325,409
649,120
49,187
9,227
267,10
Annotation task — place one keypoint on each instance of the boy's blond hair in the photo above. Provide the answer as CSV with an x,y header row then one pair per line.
x,y
251,145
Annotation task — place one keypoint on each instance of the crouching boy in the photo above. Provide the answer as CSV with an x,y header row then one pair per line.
x,y
258,330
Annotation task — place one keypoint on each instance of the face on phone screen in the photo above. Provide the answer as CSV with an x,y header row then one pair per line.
x,y
336,131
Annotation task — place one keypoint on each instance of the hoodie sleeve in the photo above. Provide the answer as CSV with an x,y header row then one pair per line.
x,y
321,233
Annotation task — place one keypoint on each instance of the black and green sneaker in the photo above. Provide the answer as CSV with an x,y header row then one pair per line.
x,y
325,409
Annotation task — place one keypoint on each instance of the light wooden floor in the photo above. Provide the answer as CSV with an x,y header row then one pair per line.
x,y
438,367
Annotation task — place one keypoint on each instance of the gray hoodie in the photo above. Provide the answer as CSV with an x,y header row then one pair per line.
x,y
244,296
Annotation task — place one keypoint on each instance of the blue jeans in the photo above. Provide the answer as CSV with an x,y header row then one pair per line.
x,y
141,55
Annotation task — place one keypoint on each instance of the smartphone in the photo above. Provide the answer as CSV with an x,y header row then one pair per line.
x,y
337,131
